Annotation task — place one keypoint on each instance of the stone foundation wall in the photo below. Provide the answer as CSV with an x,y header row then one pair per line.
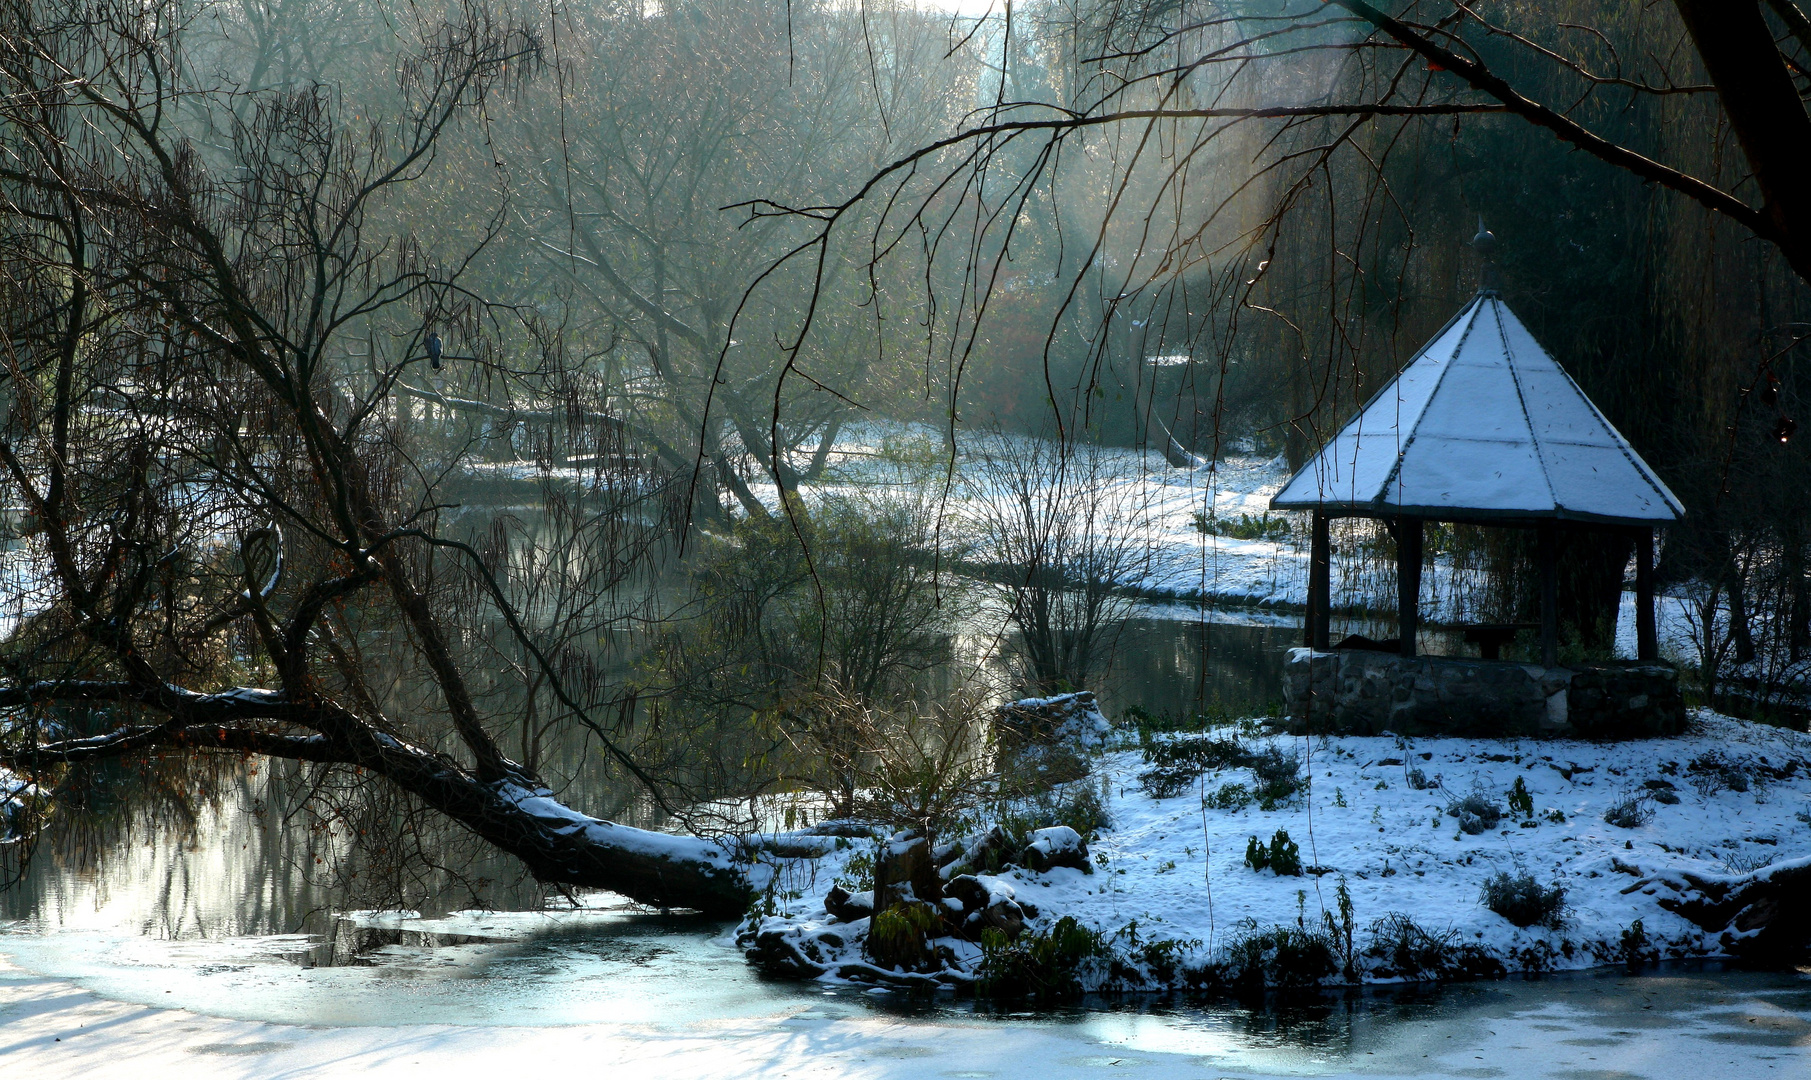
x,y
1359,692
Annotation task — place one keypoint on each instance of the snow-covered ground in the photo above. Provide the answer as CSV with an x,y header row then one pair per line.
x,y
1180,561
1740,799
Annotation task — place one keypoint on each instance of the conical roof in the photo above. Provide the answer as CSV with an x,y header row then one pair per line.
x,y
1482,424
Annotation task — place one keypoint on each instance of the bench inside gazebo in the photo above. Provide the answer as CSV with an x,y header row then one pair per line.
x,y
1482,427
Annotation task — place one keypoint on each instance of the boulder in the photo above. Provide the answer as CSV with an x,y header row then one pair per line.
x,y
1072,720
1056,846
985,903
845,906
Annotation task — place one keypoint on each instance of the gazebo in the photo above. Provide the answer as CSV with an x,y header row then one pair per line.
x,y
1482,427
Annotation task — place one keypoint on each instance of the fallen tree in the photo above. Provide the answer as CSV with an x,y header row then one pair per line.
x,y
1762,917
216,494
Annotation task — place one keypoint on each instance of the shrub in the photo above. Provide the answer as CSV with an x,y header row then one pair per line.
x,y
1282,857
858,873
1082,810
1282,956
1714,771
1175,762
1245,527
900,937
1521,800
1477,812
1234,797
1630,812
1167,781
1199,751
1635,944
1419,781
1276,776
1078,806
1045,965
1522,900
1406,949
1257,856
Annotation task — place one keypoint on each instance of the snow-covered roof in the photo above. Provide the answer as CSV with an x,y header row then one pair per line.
x,y
1482,424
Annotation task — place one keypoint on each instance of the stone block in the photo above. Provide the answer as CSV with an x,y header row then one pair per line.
x,y
1361,692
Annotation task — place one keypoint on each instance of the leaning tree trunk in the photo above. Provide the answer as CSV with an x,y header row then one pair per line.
x,y
515,813
561,846
1762,918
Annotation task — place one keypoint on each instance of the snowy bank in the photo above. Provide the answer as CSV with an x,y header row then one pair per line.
x,y
1411,832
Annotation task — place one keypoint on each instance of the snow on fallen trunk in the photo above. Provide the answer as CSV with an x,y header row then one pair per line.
x,y
1763,916
564,846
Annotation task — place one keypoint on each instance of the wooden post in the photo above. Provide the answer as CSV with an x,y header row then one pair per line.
x,y
1549,555
1316,623
1408,582
1647,640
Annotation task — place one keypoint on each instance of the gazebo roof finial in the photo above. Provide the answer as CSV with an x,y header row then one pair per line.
x,y
1485,242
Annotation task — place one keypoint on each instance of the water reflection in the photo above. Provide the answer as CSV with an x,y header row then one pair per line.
x,y
209,924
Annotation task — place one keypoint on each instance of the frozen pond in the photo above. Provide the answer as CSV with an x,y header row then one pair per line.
x,y
667,997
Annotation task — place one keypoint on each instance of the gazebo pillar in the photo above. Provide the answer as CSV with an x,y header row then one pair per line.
x,y
1408,582
1316,622
1549,559
1647,639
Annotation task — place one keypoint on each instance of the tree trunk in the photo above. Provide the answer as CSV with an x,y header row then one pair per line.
x,y
516,813
1762,918
1798,615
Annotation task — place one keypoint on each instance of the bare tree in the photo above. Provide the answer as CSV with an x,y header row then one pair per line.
x,y
661,122
202,339
1060,532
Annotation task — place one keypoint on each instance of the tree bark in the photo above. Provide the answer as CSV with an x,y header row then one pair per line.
x,y
1762,918
1763,106
558,845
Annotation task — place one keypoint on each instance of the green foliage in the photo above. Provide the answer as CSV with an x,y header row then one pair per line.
x,y
1234,797
1176,761
900,937
1521,800
1635,944
1522,900
1282,856
1166,782
858,872
1257,856
1276,530
1276,776
1043,966
1339,930
1200,752
1285,957
1078,805
1405,949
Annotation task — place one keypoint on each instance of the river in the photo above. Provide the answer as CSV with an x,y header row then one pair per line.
x,y
230,927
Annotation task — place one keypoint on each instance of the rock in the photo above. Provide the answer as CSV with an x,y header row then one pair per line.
x,y
1056,846
1073,720
845,906
993,851
987,903
776,954
1044,742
